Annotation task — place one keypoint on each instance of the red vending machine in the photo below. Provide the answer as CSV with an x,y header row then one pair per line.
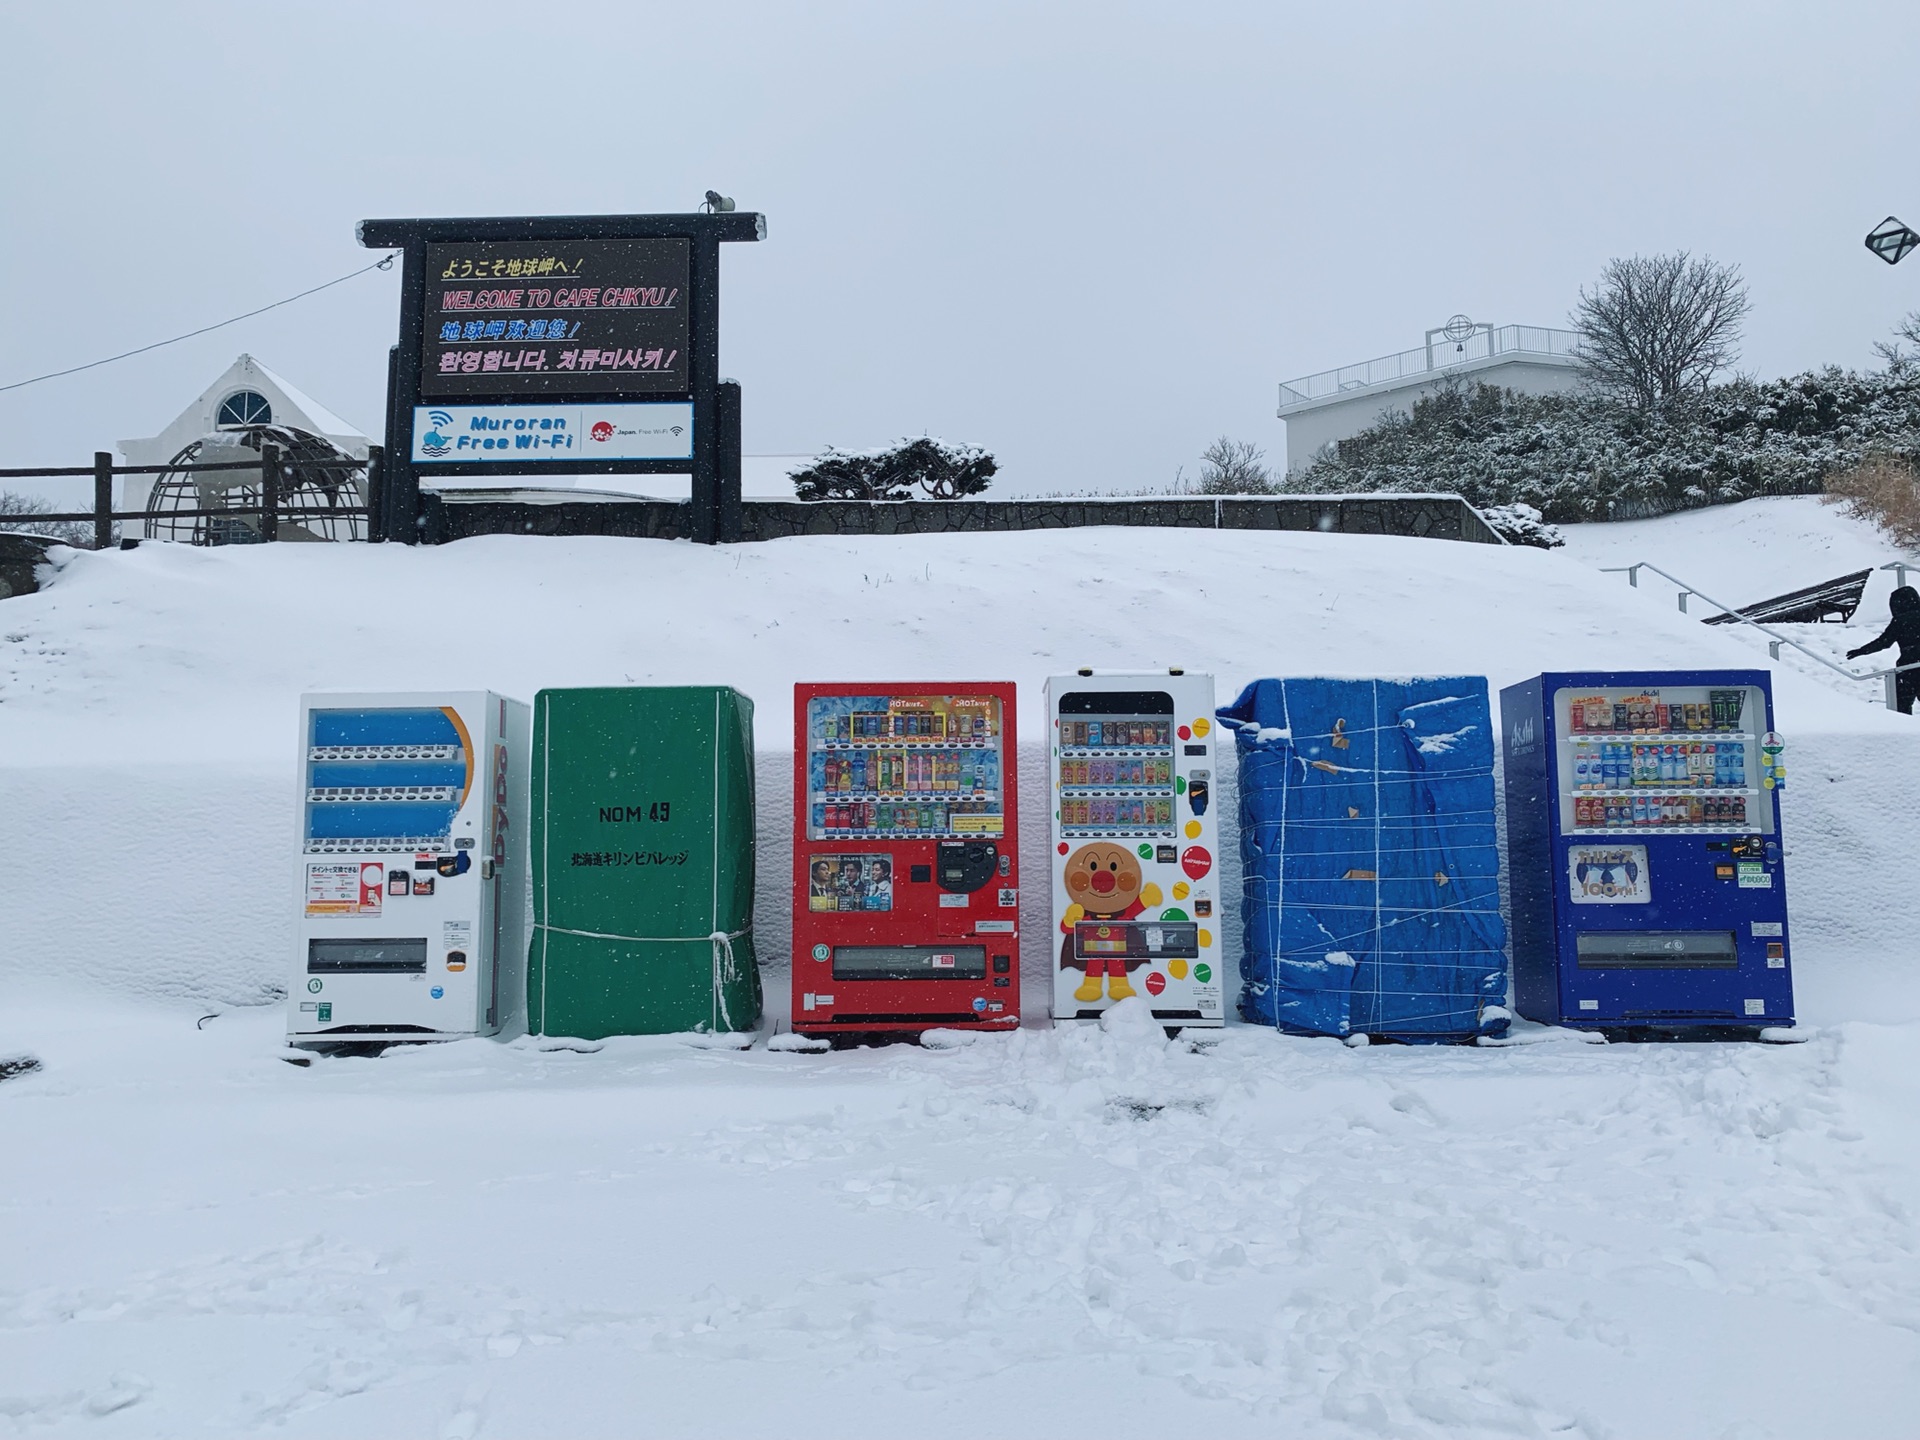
x,y
906,887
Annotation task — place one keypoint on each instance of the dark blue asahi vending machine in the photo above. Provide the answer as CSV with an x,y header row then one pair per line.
x,y
1643,843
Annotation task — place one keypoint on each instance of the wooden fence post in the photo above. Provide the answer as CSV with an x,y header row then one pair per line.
x,y
269,492
376,496
102,500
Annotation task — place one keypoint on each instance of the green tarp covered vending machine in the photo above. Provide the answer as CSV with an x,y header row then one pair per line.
x,y
642,859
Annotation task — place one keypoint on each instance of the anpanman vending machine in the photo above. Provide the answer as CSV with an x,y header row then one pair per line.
x,y
1135,845
906,858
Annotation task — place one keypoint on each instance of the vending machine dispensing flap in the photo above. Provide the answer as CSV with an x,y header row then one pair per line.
x,y
966,865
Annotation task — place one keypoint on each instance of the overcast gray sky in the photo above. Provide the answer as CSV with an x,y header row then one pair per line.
x,y
1089,237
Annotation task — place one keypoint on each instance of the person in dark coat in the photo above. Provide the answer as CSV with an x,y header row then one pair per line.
x,y
1903,629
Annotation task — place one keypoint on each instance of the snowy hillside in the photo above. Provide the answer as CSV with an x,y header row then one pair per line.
x,y
1063,1231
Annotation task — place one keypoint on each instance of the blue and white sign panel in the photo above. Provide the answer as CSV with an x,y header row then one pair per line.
x,y
462,434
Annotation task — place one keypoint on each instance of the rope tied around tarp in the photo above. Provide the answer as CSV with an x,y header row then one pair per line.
x,y
725,970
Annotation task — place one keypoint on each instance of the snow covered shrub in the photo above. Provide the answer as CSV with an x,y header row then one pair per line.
x,y
933,468
1521,525
1883,490
1590,457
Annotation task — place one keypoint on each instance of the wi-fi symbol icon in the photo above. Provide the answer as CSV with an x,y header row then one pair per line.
x,y
677,428
439,417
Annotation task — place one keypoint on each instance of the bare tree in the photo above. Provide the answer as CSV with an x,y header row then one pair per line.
x,y
1897,356
17,512
1659,327
1234,467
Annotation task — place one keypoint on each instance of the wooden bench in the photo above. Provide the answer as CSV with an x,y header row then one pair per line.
x,y
1829,600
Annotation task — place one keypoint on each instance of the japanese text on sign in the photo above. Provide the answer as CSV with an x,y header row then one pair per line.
x,y
605,317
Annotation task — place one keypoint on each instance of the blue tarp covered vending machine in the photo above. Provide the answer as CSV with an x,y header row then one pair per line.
x,y
1371,867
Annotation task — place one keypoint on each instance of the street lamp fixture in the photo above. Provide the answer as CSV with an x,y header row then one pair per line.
x,y
1891,240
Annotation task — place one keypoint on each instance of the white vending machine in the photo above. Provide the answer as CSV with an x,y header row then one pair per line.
x,y
1136,886
412,871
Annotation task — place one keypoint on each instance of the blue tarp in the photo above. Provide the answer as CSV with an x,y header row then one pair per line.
x,y
1371,889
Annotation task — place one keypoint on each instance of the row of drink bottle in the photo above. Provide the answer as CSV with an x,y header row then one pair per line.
x,y
1636,811
1093,734
968,726
909,772
1624,765
1120,811
1116,770
879,817
1643,713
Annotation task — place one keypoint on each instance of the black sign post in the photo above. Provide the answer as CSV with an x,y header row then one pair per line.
x,y
587,343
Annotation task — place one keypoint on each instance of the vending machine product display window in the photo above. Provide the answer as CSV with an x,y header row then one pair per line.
x,y
1649,889
411,873
1135,888
906,885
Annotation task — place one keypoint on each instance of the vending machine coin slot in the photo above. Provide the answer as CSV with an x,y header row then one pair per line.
x,y
967,865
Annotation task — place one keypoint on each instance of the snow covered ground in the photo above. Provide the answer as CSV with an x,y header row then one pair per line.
x,y
1064,1230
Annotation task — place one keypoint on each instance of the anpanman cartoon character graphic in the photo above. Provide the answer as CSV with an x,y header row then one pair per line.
x,y
1106,883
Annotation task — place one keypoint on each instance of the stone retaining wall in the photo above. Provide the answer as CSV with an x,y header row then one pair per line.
x,y
19,554
457,515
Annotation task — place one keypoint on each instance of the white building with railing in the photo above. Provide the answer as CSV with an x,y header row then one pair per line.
x,y
1335,404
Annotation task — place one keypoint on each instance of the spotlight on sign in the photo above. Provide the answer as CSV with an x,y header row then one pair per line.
x,y
718,204
1891,240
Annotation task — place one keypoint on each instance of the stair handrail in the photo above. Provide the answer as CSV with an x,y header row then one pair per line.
x,y
1775,639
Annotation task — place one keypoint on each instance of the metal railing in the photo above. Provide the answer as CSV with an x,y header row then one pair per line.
x,y
274,468
1435,356
1888,677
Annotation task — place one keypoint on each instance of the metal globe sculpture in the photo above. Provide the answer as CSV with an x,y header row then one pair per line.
x,y
323,490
